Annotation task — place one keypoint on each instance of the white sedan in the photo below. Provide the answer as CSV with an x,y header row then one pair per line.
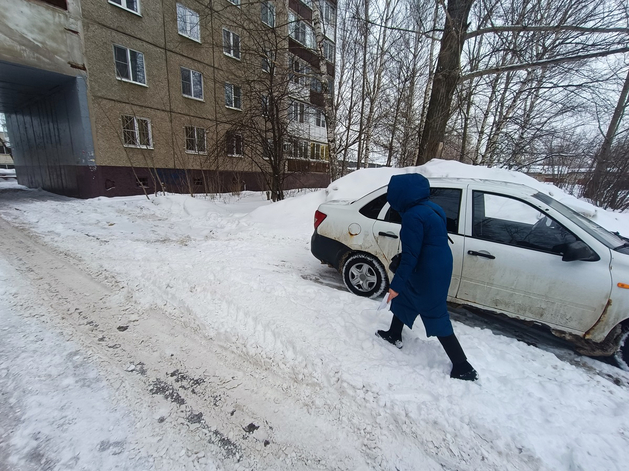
x,y
516,251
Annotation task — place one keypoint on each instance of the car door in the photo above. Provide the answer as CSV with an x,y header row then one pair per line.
x,y
513,263
386,229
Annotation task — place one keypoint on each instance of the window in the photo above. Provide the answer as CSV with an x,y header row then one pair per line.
x,y
234,145
136,132
233,96
188,23
142,182
195,140
265,105
300,31
267,14
329,51
319,151
315,85
129,65
328,15
450,201
231,44
131,5
373,208
300,71
301,148
192,83
268,61
297,149
510,221
319,119
297,112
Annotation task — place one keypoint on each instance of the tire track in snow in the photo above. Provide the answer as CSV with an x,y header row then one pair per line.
x,y
216,417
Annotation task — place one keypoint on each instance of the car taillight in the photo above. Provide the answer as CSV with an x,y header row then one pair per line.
x,y
319,217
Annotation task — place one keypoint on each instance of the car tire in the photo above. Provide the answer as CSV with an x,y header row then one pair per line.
x,y
364,275
622,353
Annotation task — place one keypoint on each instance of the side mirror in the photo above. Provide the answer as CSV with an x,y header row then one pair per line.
x,y
579,251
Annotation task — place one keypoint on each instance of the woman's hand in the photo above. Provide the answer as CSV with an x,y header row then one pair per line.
x,y
392,294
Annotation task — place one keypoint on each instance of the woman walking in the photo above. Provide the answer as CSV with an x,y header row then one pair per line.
x,y
421,282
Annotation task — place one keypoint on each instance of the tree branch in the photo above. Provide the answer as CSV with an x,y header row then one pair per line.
x,y
542,63
544,29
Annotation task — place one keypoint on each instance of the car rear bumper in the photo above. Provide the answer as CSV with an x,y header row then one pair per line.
x,y
327,250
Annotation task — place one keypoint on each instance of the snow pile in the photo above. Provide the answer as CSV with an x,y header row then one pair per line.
x,y
239,270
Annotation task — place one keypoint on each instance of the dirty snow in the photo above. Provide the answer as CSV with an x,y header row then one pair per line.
x,y
279,360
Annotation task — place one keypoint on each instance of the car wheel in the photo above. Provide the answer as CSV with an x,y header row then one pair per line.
x,y
364,275
622,354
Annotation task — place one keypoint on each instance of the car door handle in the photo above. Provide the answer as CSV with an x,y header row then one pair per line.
x,y
388,234
481,254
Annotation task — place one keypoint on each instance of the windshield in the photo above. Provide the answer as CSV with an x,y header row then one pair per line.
x,y
601,234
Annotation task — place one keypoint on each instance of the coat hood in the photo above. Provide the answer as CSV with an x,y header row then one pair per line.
x,y
407,190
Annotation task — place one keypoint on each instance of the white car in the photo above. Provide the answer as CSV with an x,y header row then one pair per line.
x,y
516,251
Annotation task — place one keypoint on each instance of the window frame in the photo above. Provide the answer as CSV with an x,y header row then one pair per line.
x,y
297,112
268,59
536,248
233,95
327,47
195,140
187,24
268,7
301,31
128,64
231,48
124,7
192,89
319,120
231,143
136,131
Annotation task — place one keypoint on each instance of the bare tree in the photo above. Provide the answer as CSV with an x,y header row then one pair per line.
x,y
595,187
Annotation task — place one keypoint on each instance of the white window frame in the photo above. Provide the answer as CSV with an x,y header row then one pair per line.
x,y
300,30
319,119
301,149
196,130
301,71
267,13
136,132
267,59
229,47
232,91
186,18
328,14
191,73
297,112
329,51
128,63
234,144
126,7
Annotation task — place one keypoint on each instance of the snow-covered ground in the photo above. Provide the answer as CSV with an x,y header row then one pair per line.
x,y
200,333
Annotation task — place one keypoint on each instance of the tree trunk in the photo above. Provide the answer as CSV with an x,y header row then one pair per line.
x,y
602,159
445,80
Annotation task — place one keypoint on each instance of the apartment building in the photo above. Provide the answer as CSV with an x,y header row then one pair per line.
x,y
121,97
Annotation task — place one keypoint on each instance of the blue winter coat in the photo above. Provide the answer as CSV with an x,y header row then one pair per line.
x,y
423,277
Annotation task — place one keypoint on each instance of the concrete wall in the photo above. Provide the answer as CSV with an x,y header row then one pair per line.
x,y
36,34
51,137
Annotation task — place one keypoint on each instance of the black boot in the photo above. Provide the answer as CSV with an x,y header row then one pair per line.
x,y
394,334
461,369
